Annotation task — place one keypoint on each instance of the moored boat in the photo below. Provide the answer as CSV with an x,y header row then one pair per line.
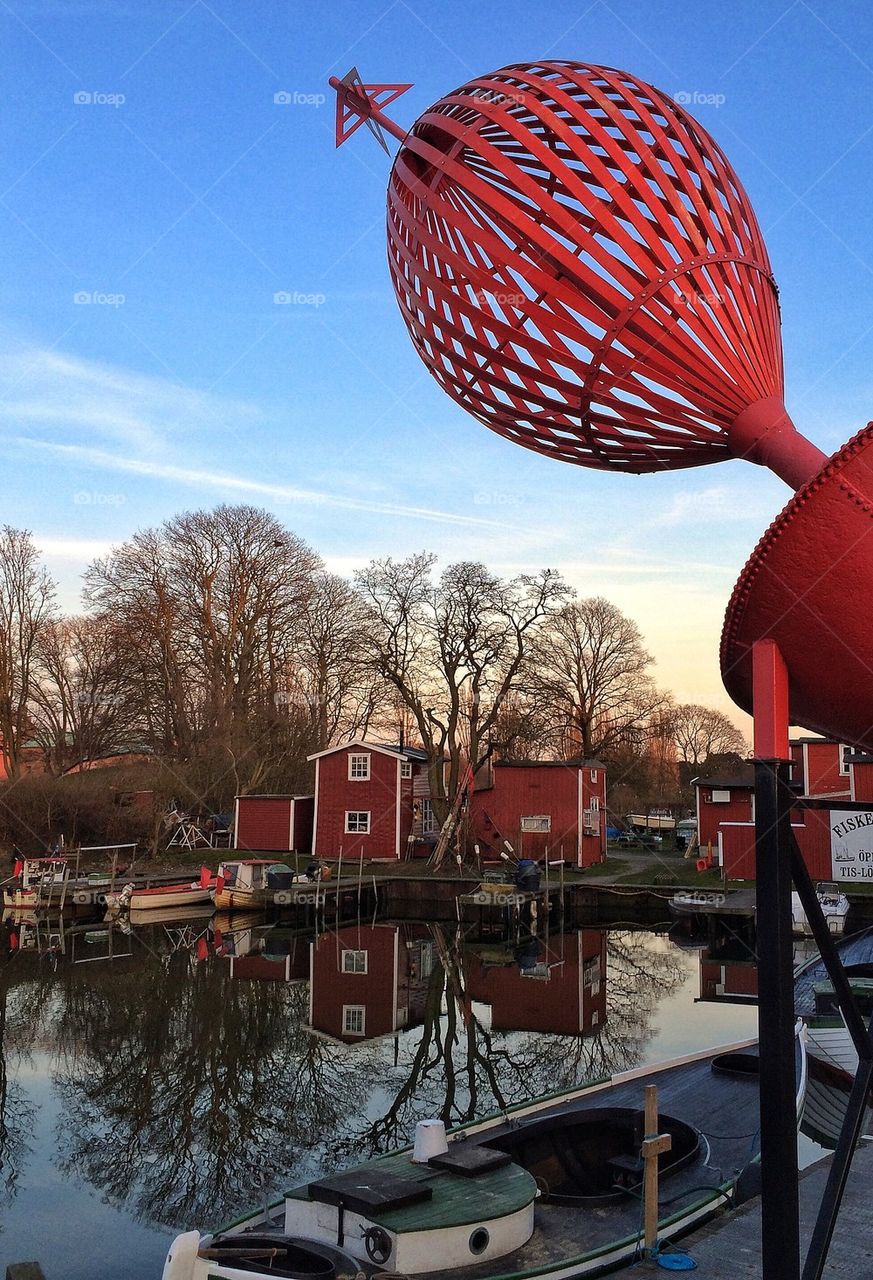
x,y
37,882
163,897
243,884
834,905
815,1001
550,1190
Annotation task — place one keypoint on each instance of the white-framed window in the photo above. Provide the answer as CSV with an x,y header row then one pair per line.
x,y
354,1019
359,767
354,961
428,819
595,803
406,769
357,822
539,822
720,797
845,752
593,774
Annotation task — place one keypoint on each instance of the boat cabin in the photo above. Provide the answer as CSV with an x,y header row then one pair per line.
x,y
253,874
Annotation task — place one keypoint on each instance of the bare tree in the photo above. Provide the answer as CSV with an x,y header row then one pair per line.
x,y
700,732
591,670
331,677
83,703
453,648
27,603
214,605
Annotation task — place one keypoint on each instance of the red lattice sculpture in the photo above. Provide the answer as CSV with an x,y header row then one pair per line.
x,y
580,268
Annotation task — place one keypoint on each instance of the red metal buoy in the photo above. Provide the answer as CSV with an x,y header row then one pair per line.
x,y
579,266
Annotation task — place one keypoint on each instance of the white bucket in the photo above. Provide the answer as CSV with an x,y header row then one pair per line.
x,y
430,1140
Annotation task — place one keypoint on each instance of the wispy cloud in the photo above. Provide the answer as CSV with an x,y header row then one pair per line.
x,y
76,550
76,399
199,478
107,419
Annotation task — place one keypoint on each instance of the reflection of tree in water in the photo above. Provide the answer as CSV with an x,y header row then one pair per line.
x,y
21,1006
639,975
188,1094
459,1069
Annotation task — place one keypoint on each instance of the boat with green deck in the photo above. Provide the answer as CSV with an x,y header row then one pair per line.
x,y
550,1190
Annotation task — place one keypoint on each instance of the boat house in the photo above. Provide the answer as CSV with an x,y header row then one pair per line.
x,y
821,770
541,808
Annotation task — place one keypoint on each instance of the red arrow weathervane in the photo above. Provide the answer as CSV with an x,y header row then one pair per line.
x,y
358,103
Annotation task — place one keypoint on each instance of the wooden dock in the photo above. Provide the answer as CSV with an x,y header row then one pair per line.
x,y
729,1248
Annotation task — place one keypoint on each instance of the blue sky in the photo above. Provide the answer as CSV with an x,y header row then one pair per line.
x,y
181,198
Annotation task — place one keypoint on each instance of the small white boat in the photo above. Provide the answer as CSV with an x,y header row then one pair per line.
x,y
170,915
815,1001
246,883
834,904
163,897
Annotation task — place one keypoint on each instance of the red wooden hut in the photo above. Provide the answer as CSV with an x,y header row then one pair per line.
x,y
370,800
542,808
273,824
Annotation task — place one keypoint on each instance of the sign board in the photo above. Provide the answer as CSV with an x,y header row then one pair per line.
x,y
852,844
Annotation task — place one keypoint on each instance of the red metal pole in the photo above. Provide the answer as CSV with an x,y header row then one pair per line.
x,y
764,433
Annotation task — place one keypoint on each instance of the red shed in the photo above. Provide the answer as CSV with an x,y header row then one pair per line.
x,y
861,765
364,800
273,824
821,767
542,807
722,801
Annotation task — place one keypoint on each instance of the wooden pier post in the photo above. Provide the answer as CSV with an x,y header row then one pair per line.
x,y
653,1144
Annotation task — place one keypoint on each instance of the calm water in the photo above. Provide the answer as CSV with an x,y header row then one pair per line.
x,y
171,1077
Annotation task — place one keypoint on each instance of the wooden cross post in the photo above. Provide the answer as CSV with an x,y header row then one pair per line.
x,y
653,1144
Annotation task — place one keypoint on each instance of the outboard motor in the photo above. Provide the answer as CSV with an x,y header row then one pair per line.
x,y
527,876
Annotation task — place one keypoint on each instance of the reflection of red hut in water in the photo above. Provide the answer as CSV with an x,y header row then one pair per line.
x,y
556,987
368,981
731,981
261,954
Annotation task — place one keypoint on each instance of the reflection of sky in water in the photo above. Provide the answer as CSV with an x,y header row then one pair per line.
x,y
74,1230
